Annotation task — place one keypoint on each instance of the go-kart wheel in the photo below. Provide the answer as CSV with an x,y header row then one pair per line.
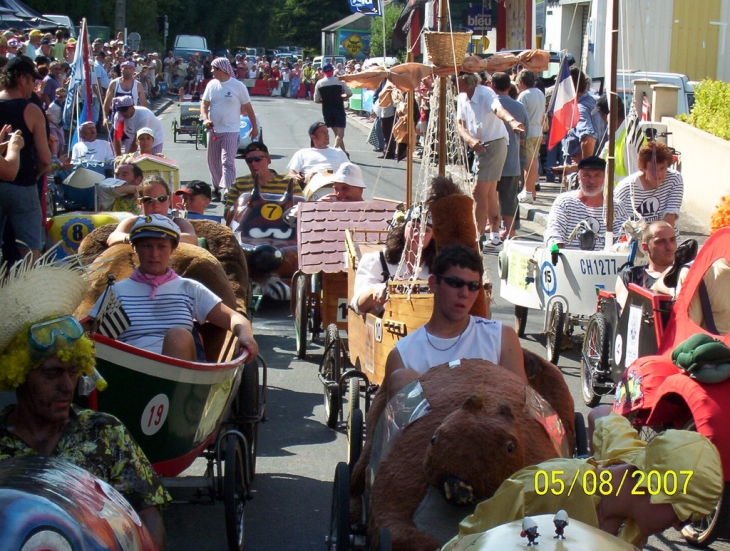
x,y
301,313
354,437
554,334
520,320
330,370
250,408
703,532
594,358
338,538
353,393
581,436
234,493
51,207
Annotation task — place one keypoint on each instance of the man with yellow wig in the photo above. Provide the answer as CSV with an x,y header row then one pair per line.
x,y
43,352
629,488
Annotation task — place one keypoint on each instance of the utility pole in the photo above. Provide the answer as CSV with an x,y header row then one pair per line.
x,y
120,15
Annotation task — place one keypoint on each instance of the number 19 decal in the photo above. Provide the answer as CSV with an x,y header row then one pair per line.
x,y
155,414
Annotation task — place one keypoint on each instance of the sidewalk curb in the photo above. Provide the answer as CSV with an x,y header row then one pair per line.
x,y
158,110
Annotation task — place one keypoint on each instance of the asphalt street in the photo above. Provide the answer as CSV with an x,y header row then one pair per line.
x,y
297,453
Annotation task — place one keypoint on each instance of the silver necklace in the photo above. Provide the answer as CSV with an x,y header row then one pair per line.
x,y
448,347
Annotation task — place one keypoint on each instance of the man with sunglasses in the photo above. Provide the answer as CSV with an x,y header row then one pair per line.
x,y
452,333
258,161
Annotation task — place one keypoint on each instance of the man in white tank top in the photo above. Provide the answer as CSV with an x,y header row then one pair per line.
x,y
451,333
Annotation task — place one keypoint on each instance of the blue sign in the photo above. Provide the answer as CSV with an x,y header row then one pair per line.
x,y
478,19
366,7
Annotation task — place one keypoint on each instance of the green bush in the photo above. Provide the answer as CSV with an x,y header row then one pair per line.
x,y
711,111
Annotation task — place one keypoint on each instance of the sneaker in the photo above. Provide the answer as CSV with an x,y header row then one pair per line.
x,y
526,198
496,241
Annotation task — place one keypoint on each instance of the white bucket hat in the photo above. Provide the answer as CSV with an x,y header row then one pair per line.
x,y
350,174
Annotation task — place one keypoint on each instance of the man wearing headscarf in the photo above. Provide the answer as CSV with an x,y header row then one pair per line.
x,y
224,100
128,120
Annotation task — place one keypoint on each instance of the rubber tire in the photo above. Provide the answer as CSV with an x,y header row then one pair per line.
x,y
353,394
594,356
581,436
234,493
554,334
339,532
301,313
355,426
713,526
520,320
51,207
250,407
331,371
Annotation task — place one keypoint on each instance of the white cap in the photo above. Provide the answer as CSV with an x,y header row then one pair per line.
x,y
350,174
146,130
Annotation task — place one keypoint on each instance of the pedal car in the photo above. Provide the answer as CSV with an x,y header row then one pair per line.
x,y
655,393
244,132
563,285
189,120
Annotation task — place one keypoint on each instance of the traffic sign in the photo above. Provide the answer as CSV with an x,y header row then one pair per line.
x,y
353,44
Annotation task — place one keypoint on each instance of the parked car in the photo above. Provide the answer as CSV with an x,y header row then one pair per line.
x,y
317,61
187,45
64,22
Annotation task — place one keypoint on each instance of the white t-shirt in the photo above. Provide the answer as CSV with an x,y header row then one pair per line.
x,y
226,99
478,114
176,304
370,272
482,339
313,160
144,118
98,151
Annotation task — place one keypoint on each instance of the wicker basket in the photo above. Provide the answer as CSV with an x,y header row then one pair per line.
x,y
442,49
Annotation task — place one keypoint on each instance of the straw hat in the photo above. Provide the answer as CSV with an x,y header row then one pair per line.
x,y
33,292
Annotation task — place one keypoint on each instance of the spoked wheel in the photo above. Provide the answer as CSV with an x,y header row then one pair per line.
x,y
520,320
301,313
338,538
354,437
234,493
703,532
331,369
250,409
594,358
554,333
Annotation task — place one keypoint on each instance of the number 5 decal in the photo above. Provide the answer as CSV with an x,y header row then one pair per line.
x,y
155,414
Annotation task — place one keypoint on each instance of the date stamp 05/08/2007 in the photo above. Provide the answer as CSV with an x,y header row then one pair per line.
x,y
602,483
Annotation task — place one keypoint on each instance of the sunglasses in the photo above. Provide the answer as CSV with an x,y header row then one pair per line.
x,y
458,283
43,335
256,159
147,200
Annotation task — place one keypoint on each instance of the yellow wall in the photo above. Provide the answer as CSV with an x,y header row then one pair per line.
x,y
695,40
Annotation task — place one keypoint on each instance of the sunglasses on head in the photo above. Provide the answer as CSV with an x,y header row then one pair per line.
x,y
458,283
256,159
147,200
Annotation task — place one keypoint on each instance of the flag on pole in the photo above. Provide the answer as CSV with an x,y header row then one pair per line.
x,y
403,25
563,106
645,108
112,318
79,88
367,7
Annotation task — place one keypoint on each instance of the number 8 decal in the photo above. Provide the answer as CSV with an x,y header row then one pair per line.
x,y
155,414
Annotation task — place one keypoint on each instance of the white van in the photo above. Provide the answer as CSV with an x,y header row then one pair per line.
x,y
63,21
686,93
317,61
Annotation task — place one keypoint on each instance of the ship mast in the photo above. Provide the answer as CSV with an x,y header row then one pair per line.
x,y
612,118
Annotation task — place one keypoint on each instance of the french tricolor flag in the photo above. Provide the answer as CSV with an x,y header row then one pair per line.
x,y
563,106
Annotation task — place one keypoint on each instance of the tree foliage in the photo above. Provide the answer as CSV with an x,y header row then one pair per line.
x,y
225,23
392,12
711,111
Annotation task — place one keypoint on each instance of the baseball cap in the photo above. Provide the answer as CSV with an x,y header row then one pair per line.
x,y
154,225
327,68
146,130
128,64
45,41
592,162
256,146
195,187
313,128
22,65
350,174
35,32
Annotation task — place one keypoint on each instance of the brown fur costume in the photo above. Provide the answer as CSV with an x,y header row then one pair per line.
x,y
222,245
452,213
495,417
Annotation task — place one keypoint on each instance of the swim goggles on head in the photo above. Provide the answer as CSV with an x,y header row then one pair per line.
x,y
43,335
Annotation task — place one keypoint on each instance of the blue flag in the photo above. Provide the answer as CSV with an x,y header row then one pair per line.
x,y
367,7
